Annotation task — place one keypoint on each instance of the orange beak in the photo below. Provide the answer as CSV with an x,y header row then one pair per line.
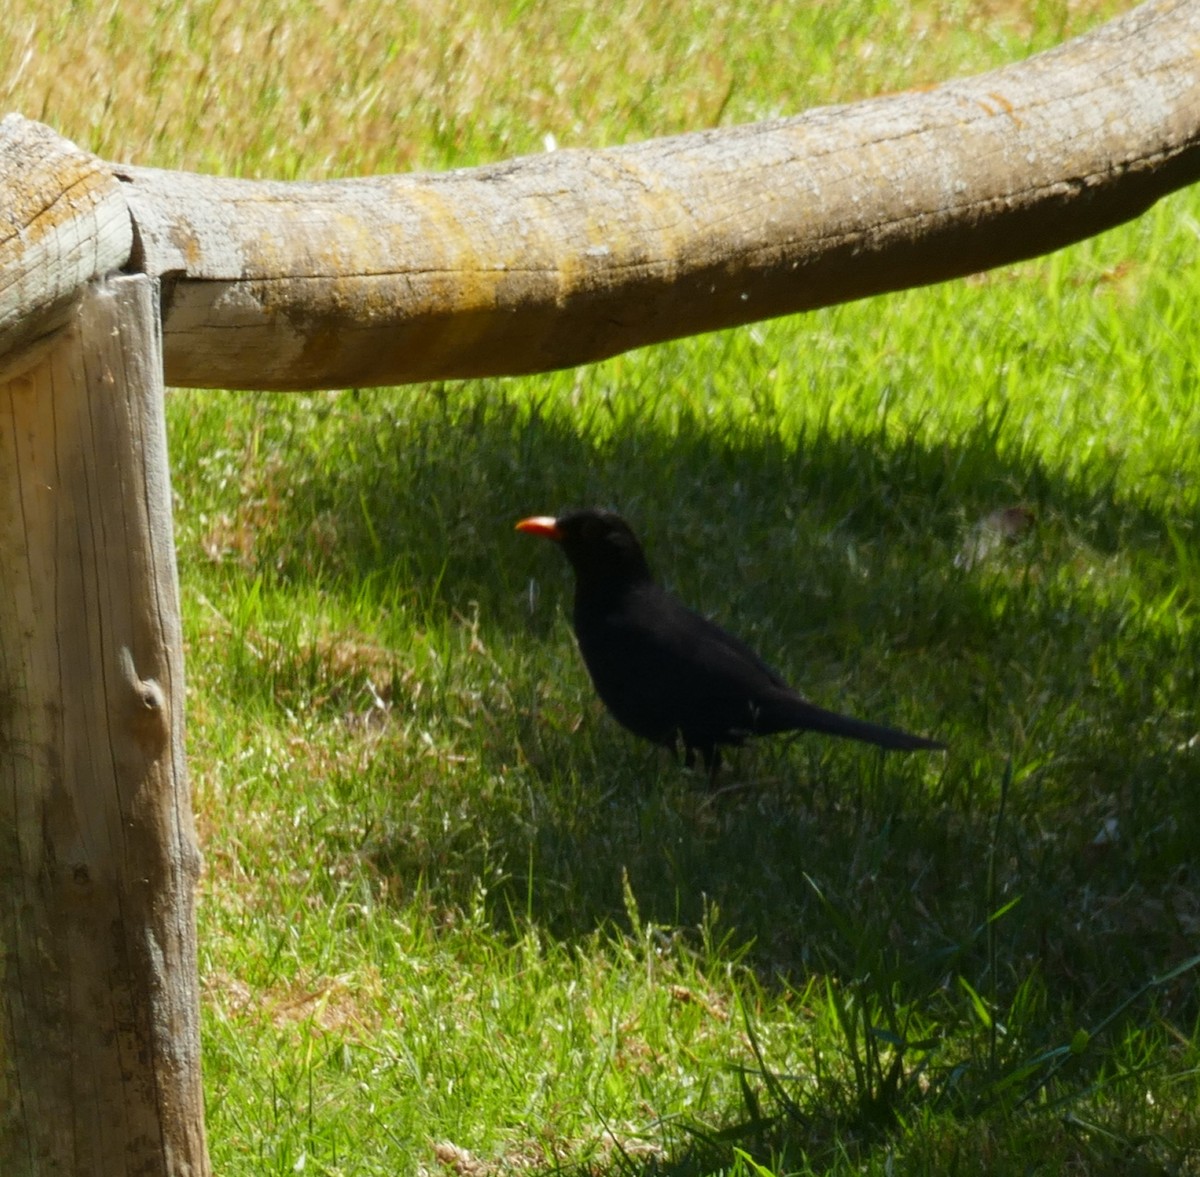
x,y
545,525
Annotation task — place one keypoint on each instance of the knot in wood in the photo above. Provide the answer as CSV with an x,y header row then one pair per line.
x,y
149,719
151,696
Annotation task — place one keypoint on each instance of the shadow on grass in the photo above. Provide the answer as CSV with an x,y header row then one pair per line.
x,y
835,556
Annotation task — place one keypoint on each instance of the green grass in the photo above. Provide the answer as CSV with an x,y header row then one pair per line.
x,y
430,811
452,917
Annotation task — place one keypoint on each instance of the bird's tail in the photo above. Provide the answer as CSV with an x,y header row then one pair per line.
x,y
798,713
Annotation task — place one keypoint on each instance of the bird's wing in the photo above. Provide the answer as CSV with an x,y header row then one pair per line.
x,y
693,675
731,692
716,654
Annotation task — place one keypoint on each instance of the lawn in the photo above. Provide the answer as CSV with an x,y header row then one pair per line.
x,y
453,919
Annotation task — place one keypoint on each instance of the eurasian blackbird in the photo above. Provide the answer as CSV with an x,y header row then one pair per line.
x,y
667,673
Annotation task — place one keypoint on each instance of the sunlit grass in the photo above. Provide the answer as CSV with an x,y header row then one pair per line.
x,y
452,916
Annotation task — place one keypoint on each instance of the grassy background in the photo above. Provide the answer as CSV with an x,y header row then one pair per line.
x,y
453,918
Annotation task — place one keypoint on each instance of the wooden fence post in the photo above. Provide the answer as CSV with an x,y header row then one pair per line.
x,y
99,1009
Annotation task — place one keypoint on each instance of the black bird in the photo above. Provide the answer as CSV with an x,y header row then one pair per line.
x,y
664,671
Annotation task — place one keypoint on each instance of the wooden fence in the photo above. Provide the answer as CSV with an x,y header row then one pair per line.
x,y
116,279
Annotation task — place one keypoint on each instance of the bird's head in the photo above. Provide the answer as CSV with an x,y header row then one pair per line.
x,y
600,545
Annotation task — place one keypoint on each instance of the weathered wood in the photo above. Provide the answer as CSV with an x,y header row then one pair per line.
x,y
99,1010
556,260
65,222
